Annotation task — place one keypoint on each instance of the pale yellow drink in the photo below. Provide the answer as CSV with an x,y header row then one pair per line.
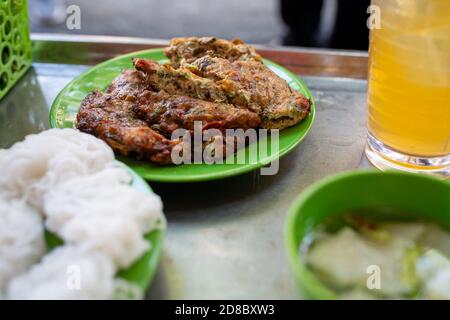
x,y
409,77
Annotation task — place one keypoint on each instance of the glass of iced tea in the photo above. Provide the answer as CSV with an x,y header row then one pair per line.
x,y
409,86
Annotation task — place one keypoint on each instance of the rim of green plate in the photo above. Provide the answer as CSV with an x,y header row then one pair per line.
x,y
143,270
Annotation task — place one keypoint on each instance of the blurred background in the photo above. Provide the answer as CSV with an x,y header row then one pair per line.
x,y
307,23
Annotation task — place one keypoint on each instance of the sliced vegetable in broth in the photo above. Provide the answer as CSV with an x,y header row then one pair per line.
x,y
381,253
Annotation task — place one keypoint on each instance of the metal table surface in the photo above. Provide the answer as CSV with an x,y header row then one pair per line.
x,y
225,238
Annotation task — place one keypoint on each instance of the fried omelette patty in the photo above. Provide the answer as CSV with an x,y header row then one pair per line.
x,y
137,122
191,48
223,84
166,113
111,119
128,85
253,84
248,84
179,81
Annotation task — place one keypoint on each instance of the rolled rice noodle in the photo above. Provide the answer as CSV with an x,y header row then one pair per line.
x,y
32,167
85,196
21,239
70,182
67,272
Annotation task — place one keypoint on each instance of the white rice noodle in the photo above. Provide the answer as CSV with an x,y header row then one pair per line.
x,y
67,272
84,197
94,195
81,211
21,239
116,237
32,167
81,195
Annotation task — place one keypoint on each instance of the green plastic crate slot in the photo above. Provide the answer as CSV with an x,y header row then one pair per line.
x,y
15,44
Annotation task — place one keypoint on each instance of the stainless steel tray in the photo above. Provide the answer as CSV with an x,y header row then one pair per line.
x,y
225,238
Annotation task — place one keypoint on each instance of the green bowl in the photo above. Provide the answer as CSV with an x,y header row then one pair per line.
x,y
422,196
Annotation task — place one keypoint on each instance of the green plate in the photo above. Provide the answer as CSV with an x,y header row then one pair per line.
x,y
65,107
143,270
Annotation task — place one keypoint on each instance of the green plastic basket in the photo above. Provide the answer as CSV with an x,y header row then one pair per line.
x,y
15,43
